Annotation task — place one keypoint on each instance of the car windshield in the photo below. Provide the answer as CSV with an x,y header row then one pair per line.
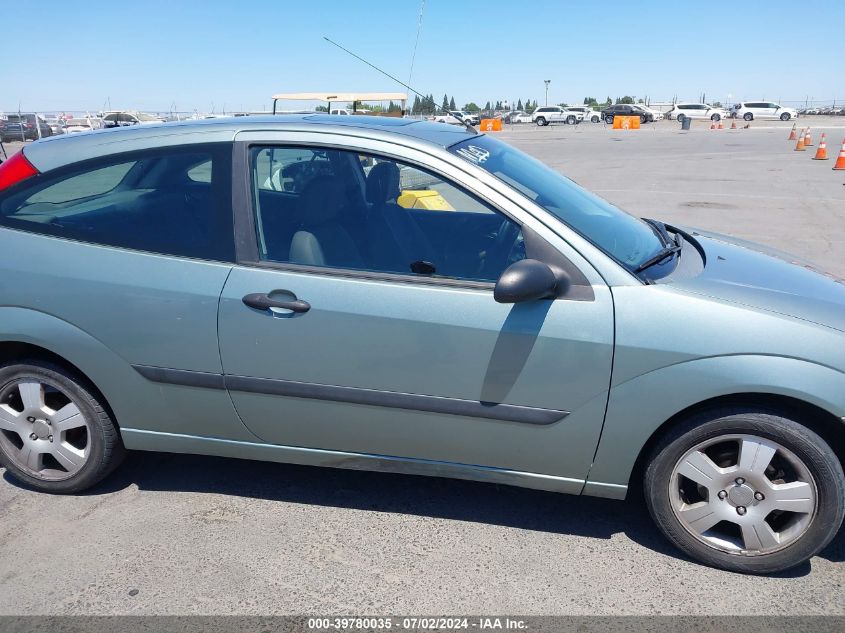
x,y
628,240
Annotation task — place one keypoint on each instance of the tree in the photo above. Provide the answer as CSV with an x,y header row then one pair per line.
x,y
609,101
590,101
519,104
321,108
445,105
452,104
415,109
472,107
625,99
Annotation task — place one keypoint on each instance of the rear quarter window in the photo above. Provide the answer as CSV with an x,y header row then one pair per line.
x,y
174,202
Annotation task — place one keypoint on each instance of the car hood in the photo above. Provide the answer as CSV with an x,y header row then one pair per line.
x,y
767,279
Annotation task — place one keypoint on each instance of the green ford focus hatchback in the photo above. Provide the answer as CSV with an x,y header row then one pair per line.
x,y
397,295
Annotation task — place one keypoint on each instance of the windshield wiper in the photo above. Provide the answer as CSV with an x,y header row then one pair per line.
x,y
667,251
660,230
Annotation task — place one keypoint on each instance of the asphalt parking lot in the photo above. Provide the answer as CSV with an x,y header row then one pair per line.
x,y
170,534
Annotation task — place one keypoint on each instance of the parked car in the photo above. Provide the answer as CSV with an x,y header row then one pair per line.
x,y
75,126
277,288
447,117
23,127
124,119
588,113
555,114
510,117
680,111
657,115
750,110
55,123
625,109
469,117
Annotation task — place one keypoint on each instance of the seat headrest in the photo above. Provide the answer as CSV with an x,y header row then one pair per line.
x,y
321,200
383,183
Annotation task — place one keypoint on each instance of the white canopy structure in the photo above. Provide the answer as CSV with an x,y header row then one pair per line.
x,y
343,97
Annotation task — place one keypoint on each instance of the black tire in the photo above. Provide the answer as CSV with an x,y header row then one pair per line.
x,y
609,119
785,116
748,116
681,118
541,121
806,445
643,119
106,450
571,120
716,117
595,119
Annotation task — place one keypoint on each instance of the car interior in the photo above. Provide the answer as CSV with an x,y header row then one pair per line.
x,y
340,210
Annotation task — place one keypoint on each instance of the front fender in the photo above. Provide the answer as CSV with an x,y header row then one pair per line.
x,y
639,406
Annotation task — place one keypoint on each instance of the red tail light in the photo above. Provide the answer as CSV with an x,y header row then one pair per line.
x,y
15,170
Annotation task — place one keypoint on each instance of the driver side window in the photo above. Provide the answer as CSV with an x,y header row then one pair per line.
x,y
340,209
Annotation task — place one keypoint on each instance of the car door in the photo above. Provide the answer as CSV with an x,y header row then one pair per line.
x,y
759,109
399,349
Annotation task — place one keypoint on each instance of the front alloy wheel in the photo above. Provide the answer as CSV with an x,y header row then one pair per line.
x,y
746,491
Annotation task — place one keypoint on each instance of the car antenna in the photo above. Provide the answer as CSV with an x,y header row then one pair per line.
x,y
467,125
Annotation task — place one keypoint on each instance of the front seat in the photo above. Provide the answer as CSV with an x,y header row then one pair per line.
x,y
403,242
322,240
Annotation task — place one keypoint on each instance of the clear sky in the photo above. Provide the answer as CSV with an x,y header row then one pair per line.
x,y
234,54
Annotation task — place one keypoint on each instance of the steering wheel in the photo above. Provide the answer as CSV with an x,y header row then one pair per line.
x,y
502,248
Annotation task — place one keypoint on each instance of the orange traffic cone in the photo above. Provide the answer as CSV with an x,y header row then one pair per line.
x,y
712,125
800,147
733,124
721,125
821,153
808,140
793,135
840,162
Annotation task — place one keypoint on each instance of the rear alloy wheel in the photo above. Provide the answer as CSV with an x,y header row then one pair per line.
x,y
595,119
746,491
55,435
785,116
748,116
541,121
609,119
643,119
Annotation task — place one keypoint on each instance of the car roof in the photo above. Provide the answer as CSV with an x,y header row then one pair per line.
x,y
59,151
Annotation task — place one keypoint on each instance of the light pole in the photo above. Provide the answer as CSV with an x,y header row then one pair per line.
x,y
547,82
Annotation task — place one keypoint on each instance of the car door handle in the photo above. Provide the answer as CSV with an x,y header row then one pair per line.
x,y
263,301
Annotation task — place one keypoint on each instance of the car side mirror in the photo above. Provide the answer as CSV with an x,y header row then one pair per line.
x,y
530,280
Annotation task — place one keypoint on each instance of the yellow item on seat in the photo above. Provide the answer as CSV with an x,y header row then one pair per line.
x,y
423,199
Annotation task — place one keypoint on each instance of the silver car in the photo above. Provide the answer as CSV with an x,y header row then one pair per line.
x,y
389,294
